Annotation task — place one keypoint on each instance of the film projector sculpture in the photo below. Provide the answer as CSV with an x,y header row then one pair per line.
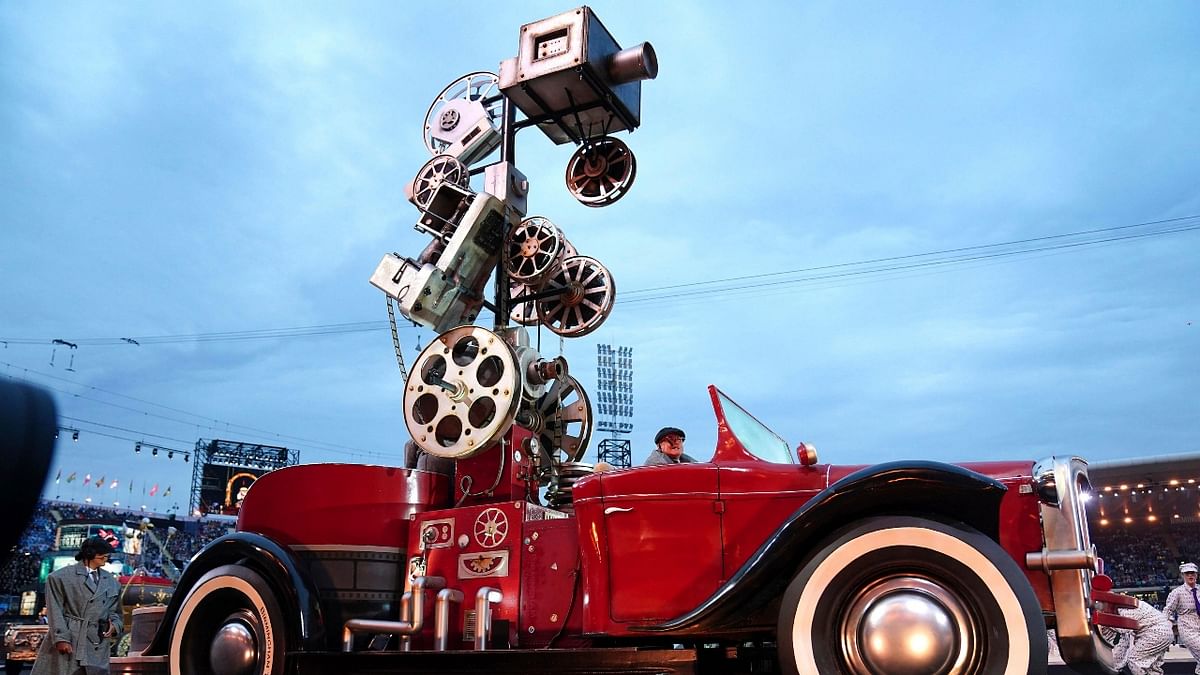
x,y
471,388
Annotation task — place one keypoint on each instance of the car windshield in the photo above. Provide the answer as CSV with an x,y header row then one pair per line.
x,y
756,438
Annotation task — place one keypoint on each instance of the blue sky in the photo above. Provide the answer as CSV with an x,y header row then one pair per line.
x,y
173,169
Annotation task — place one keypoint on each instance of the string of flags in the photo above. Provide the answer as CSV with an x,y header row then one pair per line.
x,y
100,482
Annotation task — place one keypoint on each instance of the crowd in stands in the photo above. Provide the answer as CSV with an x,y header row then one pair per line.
x,y
20,568
1138,557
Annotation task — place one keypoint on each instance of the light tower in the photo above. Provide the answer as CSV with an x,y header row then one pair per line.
x,y
614,380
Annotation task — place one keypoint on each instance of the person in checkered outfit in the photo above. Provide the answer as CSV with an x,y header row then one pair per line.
x,y
1183,609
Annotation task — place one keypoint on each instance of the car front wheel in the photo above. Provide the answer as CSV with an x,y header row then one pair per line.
x,y
901,595
229,624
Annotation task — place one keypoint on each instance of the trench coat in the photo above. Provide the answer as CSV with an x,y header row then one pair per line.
x,y
74,611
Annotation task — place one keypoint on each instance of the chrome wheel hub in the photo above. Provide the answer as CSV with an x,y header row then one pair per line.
x,y
234,649
907,625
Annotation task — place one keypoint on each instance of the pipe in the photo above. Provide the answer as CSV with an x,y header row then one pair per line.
x,y
483,615
406,615
441,617
413,627
1048,561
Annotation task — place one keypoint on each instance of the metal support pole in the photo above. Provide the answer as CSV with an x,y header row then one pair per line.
x,y
508,153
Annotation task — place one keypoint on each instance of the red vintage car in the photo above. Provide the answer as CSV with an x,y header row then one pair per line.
x,y
759,556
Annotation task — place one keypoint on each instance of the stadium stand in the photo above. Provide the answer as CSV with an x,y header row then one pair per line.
x,y
21,566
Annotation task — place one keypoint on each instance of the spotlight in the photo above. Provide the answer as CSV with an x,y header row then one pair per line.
x,y
137,447
75,436
154,452
186,457
170,454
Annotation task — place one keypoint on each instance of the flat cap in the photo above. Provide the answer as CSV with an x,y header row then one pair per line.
x,y
667,431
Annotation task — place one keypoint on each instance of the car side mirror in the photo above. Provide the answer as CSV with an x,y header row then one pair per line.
x,y
807,454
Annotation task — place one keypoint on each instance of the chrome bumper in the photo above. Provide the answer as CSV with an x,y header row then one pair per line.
x,y
1069,559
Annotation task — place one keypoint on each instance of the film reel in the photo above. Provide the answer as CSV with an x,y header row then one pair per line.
x,y
463,393
601,171
532,249
440,169
524,313
587,301
446,111
562,419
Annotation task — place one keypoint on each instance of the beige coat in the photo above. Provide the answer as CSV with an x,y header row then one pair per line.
x,y
74,611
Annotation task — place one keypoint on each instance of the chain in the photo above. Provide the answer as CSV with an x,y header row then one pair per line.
x,y
396,339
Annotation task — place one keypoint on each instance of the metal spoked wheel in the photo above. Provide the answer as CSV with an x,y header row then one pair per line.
x,y
480,86
566,418
586,302
229,624
440,169
532,249
463,392
902,595
601,172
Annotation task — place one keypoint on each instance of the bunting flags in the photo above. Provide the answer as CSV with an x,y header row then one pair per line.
x,y
130,487
71,478
87,479
114,484
154,490
57,476
100,483
168,492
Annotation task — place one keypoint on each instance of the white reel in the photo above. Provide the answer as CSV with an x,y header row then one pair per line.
x,y
463,393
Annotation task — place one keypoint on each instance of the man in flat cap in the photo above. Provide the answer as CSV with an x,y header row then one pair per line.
x,y
1183,609
83,603
670,448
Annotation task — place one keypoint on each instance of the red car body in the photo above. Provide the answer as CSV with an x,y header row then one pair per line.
x,y
705,553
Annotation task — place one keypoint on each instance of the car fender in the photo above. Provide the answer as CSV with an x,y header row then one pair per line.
x,y
293,588
745,602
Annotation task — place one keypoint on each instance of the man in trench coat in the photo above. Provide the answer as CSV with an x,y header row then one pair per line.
x,y
78,599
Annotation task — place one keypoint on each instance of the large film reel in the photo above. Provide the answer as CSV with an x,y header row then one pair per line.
x,y
450,105
586,302
463,393
601,171
562,419
532,249
440,169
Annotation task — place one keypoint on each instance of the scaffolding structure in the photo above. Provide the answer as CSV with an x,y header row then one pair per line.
x,y
237,455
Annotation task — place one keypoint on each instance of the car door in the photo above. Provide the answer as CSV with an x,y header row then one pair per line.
x,y
663,536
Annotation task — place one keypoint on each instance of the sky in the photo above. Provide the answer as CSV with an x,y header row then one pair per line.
x,y
232,170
